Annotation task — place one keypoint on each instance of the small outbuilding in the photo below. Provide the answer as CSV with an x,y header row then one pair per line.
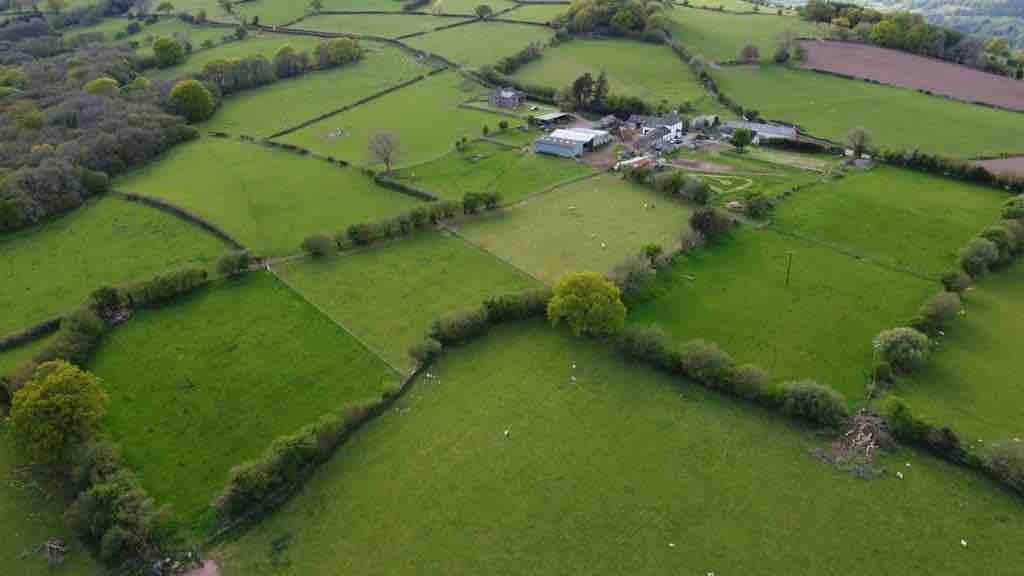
x,y
763,132
506,98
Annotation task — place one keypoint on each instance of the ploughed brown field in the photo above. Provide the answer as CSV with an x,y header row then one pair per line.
x,y
916,72
1011,166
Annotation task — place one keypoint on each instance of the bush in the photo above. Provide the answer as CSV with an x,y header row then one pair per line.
x,y
757,205
112,511
460,327
57,410
909,428
95,182
426,352
936,314
814,403
79,334
317,245
103,86
978,256
471,203
166,287
752,382
193,100
956,281
706,363
588,304
1006,462
645,344
168,51
711,223
1014,208
697,191
520,306
632,276
903,348
1005,242
234,264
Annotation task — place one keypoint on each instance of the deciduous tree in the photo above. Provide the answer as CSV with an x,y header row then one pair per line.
x,y
588,304
384,149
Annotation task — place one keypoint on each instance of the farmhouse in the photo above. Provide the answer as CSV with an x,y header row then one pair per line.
x,y
763,132
552,119
670,125
506,98
571,143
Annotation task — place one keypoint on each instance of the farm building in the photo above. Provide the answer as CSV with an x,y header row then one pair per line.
x,y
763,132
668,126
552,119
506,98
571,143
705,122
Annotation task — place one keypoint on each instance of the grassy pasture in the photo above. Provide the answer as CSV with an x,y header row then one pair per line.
x,y
481,43
647,71
829,107
276,12
620,472
901,218
389,295
972,383
426,117
484,167
721,36
50,270
537,12
820,326
14,357
467,6
563,230
270,200
28,518
290,102
386,25
257,43
209,382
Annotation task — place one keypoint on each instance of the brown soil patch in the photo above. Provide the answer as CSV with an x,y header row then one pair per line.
x,y
1005,166
209,568
915,72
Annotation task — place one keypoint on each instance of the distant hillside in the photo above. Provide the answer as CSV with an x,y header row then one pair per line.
x,y
982,17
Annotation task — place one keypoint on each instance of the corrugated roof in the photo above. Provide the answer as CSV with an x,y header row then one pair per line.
x,y
551,116
578,134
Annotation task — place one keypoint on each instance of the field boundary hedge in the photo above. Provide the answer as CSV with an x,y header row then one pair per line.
x,y
396,13
30,334
438,29
352,105
730,12
183,214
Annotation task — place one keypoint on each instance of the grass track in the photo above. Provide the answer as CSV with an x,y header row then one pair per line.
x,y
49,270
602,475
269,199
202,385
389,295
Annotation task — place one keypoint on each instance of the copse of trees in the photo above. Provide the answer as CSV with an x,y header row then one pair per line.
x,y
643,20
587,94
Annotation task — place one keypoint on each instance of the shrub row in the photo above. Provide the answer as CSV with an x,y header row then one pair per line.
x,y
706,364
111,511
34,333
509,64
462,327
256,486
164,288
996,246
950,168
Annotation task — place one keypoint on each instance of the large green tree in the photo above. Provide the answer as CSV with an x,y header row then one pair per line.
x,y
168,51
193,99
588,304
57,410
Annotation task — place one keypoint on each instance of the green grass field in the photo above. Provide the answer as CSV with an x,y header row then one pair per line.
x,y
386,25
829,107
290,102
537,12
486,167
721,36
29,518
15,357
202,385
647,71
900,218
426,117
727,5
49,270
278,12
972,383
819,327
258,43
270,200
620,472
110,27
388,296
481,43
592,225
467,6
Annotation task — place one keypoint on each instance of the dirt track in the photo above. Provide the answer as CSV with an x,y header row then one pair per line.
x,y
1012,166
915,72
